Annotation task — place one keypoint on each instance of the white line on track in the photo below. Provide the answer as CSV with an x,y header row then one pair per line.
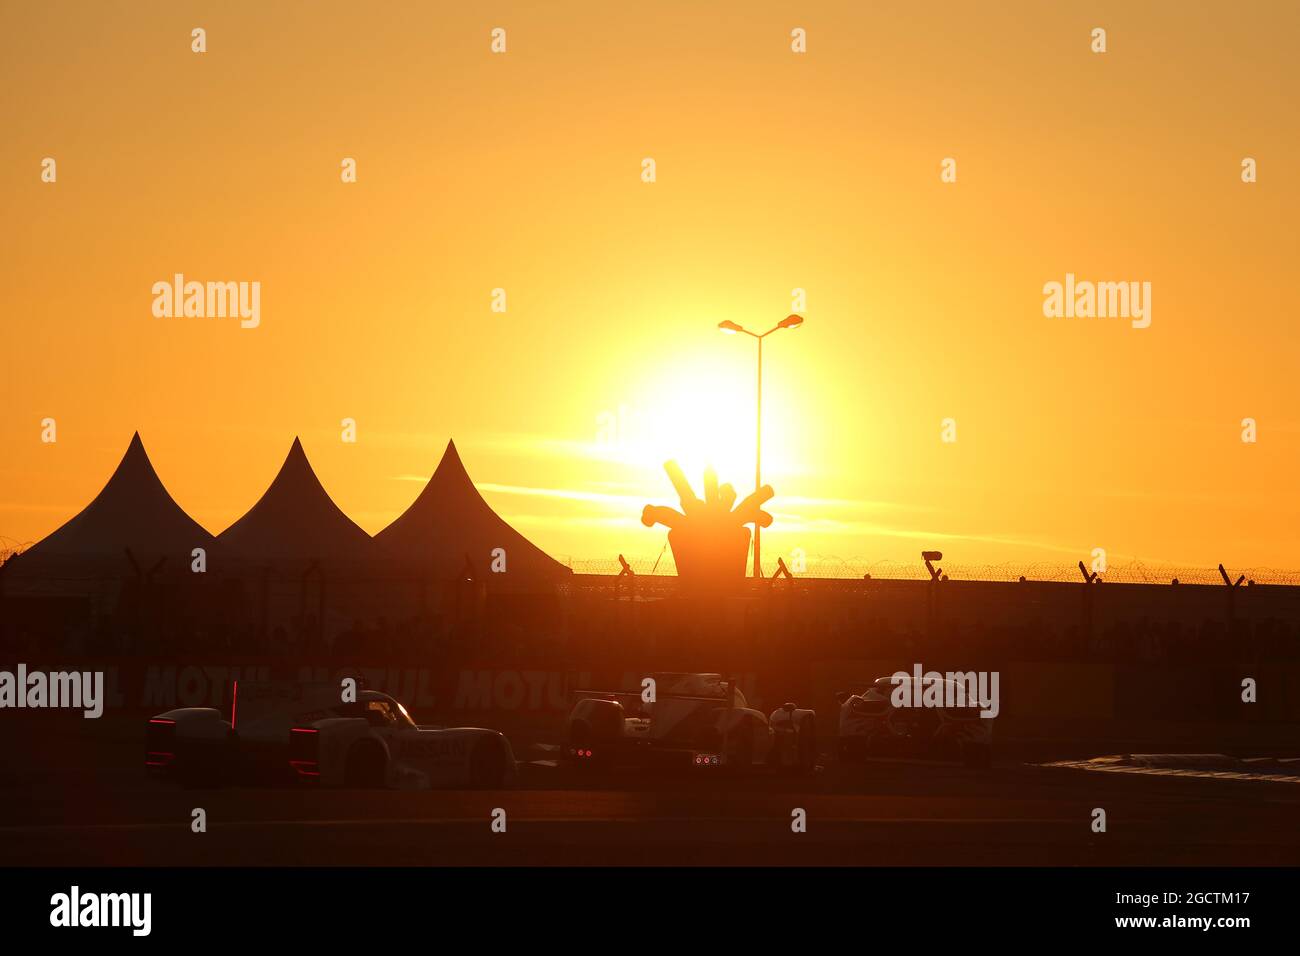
x,y
473,821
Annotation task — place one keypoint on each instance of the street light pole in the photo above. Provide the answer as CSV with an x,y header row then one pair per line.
x,y
758,454
731,328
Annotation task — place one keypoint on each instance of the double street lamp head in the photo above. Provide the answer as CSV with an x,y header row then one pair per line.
x,y
789,322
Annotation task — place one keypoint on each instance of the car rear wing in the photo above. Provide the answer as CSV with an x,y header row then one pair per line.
x,y
726,697
850,687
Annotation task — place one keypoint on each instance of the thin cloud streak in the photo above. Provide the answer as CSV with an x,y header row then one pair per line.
x,y
636,502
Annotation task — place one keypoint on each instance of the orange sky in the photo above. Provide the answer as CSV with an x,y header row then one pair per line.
x,y
775,171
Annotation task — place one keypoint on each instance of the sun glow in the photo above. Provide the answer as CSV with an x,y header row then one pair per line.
x,y
700,414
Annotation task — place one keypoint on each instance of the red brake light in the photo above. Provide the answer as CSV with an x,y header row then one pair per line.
x,y
160,733
303,752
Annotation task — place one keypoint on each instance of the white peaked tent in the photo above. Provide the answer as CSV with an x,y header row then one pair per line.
x,y
450,521
132,511
295,522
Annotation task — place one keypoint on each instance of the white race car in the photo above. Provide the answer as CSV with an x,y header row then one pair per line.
x,y
871,725
695,722
307,733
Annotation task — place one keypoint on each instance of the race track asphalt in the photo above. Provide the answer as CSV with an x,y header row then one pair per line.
x,y
888,813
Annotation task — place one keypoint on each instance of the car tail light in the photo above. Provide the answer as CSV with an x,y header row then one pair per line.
x,y
159,742
304,752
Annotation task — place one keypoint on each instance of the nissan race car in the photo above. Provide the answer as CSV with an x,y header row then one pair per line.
x,y
288,731
871,725
696,722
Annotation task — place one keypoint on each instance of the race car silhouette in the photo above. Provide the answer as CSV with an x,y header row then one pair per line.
x,y
872,725
309,734
695,721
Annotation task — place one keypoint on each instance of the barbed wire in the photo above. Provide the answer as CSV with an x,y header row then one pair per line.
x,y
11,546
831,567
